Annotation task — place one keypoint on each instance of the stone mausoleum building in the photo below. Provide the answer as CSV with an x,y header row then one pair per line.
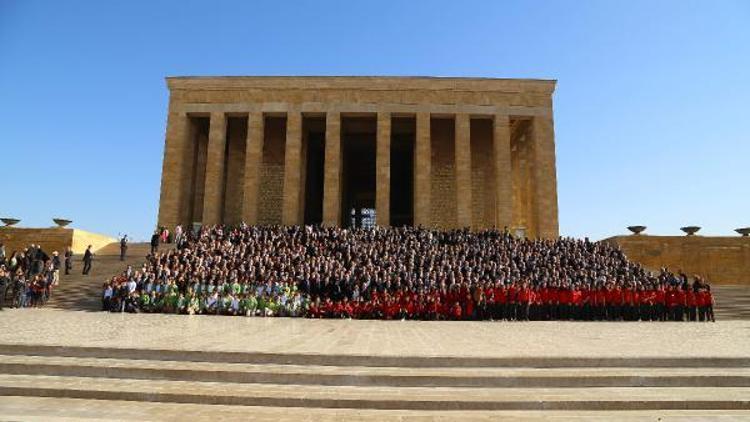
x,y
356,151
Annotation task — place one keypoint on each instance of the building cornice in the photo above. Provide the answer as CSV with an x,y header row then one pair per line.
x,y
365,83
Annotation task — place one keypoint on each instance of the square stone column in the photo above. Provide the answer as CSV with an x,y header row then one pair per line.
x,y
383,170
422,171
545,177
290,213
213,197
503,172
176,176
253,162
462,155
332,171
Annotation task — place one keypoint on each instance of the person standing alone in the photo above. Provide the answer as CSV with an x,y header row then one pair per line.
x,y
123,247
88,256
68,260
155,242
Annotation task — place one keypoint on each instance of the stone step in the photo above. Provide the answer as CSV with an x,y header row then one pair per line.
x,y
404,398
139,249
51,409
83,292
375,376
732,302
373,361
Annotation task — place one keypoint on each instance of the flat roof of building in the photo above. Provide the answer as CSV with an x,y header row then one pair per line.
x,y
364,83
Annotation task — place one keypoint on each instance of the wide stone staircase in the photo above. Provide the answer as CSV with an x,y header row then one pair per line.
x,y
732,301
407,386
83,292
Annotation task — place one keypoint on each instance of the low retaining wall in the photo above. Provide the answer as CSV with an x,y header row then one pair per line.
x,y
718,259
51,239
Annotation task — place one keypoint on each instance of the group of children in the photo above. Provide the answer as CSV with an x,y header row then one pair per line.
x,y
524,302
498,301
122,294
402,273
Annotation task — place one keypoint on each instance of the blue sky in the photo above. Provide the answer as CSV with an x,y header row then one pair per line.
x,y
652,107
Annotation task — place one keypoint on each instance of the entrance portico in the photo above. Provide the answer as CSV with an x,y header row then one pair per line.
x,y
436,152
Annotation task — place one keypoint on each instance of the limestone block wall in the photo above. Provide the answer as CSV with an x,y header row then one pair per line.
x,y
523,182
271,189
443,174
718,259
51,239
482,174
199,176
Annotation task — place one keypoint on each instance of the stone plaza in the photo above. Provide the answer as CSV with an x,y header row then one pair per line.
x,y
67,365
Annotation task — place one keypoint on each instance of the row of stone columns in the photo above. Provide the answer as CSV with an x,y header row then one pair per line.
x,y
292,206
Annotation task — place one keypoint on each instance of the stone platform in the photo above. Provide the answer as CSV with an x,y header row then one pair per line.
x,y
57,364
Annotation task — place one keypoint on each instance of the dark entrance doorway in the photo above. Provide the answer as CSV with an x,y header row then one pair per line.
x,y
358,178
314,149
403,132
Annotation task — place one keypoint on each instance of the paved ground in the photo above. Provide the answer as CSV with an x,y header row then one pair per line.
x,y
376,338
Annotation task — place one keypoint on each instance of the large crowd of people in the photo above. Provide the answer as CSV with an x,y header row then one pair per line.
x,y
27,277
401,273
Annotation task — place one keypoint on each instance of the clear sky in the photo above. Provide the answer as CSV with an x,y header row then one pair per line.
x,y
652,107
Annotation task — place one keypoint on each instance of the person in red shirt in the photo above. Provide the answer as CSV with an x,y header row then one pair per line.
x,y
564,299
345,308
456,311
691,308
535,303
468,307
646,299
511,308
314,310
545,302
600,303
661,303
522,302
576,303
501,300
432,308
705,305
681,303
628,311
615,301
586,305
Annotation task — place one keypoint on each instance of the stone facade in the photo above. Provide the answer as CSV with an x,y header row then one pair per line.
x,y
718,259
242,149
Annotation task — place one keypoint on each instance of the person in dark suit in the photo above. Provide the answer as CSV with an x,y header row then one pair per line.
x,y
88,257
154,242
68,260
123,247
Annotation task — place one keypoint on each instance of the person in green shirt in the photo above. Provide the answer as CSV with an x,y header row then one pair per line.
x,y
203,304
181,307
157,303
236,288
249,305
262,305
193,305
145,302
